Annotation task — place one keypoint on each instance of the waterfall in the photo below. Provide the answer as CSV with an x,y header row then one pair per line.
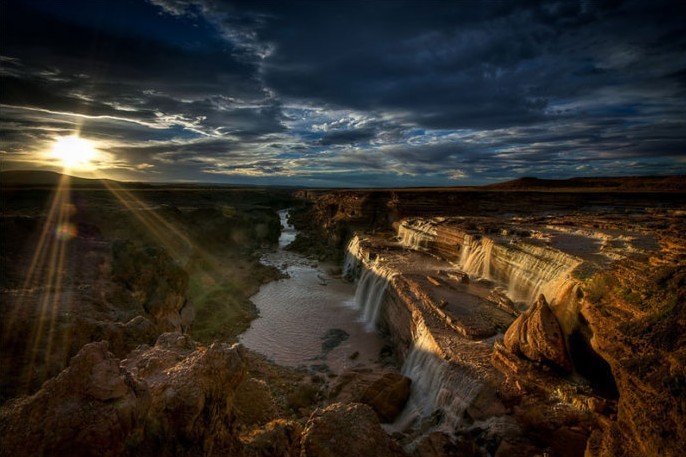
x,y
437,388
525,270
417,234
369,296
288,232
475,259
528,270
351,262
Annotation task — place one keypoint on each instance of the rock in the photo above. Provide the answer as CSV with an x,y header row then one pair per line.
x,y
277,438
172,399
332,339
92,408
156,281
438,444
193,391
254,403
386,393
346,430
485,405
536,335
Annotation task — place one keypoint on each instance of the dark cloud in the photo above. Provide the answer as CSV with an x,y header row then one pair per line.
x,y
367,93
347,137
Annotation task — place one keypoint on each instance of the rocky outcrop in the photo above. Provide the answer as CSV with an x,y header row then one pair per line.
x,y
174,399
342,430
156,282
93,408
255,404
192,396
277,438
638,326
386,393
537,335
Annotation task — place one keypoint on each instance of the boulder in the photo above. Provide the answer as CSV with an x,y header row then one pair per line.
x,y
536,335
345,430
386,393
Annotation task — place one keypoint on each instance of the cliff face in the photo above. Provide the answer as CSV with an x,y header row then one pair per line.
x,y
83,265
639,325
346,210
598,357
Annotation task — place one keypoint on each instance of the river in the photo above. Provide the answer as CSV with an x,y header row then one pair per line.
x,y
305,323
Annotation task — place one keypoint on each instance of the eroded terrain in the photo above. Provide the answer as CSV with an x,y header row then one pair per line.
x,y
524,322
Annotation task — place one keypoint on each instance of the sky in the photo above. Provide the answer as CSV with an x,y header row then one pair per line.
x,y
346,93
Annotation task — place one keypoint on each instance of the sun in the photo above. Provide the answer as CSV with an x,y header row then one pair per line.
x,y
74,152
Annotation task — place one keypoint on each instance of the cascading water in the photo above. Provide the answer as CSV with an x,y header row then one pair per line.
x,y
288,232
417,234
369,296
524,269
351,262
528,271
475,259
436,388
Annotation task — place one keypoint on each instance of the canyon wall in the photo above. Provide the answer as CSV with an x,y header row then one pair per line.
x,y
433,283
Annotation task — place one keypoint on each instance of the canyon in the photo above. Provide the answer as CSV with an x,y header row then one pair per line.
x,y
529,318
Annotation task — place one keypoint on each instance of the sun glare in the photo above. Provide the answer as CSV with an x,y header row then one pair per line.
x,y
74,152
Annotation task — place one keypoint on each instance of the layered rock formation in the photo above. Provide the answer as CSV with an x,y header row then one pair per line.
x,y
594,366
559,370
537,335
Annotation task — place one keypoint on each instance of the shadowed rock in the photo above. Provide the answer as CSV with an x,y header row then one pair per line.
x,y
346,430
93,408
386,393
193,391
537,336
174,399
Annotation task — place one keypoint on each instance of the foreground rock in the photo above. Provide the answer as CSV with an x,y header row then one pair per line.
x,y
342,430
192,396
537,335
386,393
92,408
174,399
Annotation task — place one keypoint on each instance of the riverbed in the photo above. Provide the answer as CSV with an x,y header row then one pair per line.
x,y
309,319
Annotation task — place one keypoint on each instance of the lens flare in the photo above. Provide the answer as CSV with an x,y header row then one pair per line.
x,y
66,231
74,152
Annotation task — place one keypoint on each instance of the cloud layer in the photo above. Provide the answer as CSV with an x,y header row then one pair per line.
x,y
348,93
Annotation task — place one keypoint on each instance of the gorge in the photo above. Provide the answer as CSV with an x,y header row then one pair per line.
x,y
502,321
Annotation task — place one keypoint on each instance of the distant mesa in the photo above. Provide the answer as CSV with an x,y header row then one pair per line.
x,y
674,183
34,178
627,183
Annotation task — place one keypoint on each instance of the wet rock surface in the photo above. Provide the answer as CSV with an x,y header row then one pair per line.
x,y
554,373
